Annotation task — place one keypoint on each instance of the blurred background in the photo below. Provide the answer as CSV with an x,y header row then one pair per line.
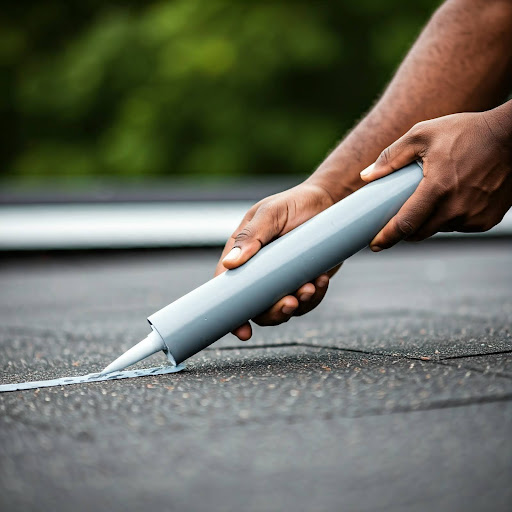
x,y
167,102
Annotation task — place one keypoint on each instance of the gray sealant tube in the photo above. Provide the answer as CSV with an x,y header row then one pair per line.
x,y
207,313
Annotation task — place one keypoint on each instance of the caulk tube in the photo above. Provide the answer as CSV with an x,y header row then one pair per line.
x,y
207,313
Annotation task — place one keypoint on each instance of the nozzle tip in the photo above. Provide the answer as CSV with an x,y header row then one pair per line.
x,y
148,346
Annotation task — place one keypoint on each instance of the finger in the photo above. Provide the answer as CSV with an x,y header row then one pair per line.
x,y
220,268
306,298
443,221
305,292
405,150
267,223
321,284
280,312
413,214
231,241
244,332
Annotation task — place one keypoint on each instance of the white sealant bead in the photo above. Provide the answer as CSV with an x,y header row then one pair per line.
x,y
92,377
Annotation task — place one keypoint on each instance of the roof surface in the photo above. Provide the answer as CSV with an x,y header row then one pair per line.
x,y
395,394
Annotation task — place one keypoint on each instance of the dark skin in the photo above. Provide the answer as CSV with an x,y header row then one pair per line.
x,y
446,106
467,175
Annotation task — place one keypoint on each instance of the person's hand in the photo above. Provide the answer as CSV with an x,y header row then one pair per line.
x,y
467,169
267,220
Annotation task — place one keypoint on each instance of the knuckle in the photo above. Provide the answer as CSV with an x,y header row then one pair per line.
x,y
271,216
244,235
419,128
252,211
278,317
248,216
255,206
267,208
418,132
385,156
404,227
269,318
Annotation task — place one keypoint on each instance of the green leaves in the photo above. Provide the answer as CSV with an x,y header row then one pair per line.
x,y
195,87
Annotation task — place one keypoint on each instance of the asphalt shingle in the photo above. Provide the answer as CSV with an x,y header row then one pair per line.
x,y
395,395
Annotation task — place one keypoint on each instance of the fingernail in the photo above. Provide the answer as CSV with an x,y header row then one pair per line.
x,y
288,310
376,248
305,297
367,171
233,254
322,282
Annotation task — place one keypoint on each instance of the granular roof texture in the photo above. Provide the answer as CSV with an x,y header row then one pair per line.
x,y
394,395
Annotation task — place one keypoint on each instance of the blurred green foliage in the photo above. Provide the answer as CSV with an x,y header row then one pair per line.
x,y
191,87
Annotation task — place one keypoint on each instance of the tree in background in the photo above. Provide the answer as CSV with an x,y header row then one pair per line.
x,y
191,87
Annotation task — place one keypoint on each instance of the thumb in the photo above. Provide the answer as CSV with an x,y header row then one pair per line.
x,y
266,225
403,151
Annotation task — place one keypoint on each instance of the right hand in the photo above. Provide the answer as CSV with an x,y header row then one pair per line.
x,y
267,220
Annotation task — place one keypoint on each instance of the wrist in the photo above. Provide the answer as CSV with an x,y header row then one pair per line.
x,y
499,120
339,172
338,183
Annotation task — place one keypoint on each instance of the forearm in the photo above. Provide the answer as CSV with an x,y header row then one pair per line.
x,y
462,61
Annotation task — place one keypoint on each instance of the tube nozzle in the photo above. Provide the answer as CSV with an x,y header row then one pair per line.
x,y
148,346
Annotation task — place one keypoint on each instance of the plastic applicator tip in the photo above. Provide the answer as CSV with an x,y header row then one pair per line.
x,y
148,346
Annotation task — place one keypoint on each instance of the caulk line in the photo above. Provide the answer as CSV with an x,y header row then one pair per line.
x,y
91,377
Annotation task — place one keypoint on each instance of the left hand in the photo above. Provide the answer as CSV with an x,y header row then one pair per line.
x,y
467,175
267,220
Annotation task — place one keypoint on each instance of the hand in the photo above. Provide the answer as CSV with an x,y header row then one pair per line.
x,y
467,175
265,221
